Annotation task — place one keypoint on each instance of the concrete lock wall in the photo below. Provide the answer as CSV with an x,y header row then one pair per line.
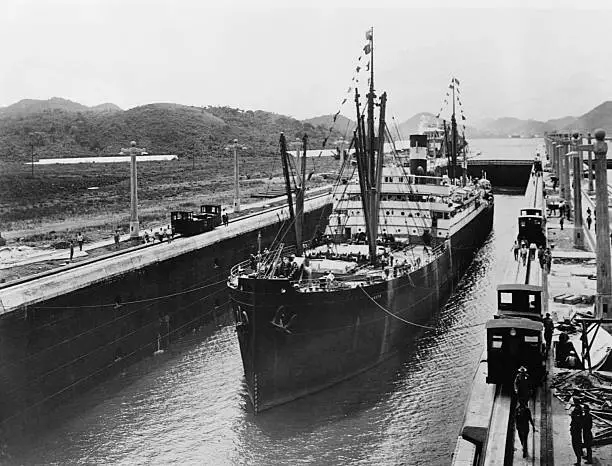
x,y
64,345
503,174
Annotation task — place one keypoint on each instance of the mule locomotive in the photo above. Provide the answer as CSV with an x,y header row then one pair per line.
x,y
187,223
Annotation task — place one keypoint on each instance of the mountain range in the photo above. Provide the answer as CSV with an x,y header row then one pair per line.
x,y
59,127
598,117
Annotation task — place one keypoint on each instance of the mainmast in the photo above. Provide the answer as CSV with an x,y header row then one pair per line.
x,y
370,155
454,136
299,197
285,160
447,150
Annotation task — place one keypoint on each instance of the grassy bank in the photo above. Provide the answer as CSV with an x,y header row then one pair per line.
x,y
56,203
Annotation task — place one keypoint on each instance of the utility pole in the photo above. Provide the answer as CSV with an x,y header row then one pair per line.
x,y
235,146
590,155
133,151
600,148
576,157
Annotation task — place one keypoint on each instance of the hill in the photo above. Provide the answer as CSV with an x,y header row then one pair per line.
x,y
161,128
29,106
599,117
343,125
414,124
106,107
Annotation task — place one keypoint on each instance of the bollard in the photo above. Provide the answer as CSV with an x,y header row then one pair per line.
x,y
600,148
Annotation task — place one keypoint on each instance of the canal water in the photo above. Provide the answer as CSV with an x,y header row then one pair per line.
x,y
189,405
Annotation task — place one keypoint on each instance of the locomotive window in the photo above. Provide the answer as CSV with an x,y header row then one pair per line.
x,y
496,344
505,298
529,339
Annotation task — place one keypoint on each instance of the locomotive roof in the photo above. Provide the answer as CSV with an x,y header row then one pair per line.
x,y
516,322
518,286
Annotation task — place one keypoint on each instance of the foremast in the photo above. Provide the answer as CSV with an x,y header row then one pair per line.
x,y
370,155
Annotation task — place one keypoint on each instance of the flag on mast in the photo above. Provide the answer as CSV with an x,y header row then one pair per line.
x,y
367,49
369,34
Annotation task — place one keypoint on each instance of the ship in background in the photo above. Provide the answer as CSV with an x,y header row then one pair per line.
x,y
396,243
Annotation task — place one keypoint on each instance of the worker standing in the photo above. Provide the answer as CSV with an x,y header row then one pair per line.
x,y
549,327
587,433
576,432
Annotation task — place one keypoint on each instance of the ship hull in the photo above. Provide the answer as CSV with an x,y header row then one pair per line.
x,y
332,336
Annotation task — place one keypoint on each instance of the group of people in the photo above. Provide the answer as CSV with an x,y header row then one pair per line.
x,y
523,390
164,233
523,251
565,355
80,239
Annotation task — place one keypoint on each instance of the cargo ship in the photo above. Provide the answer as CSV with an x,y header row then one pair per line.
x,y
396,243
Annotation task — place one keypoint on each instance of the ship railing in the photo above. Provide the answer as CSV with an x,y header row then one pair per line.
x,y
324,284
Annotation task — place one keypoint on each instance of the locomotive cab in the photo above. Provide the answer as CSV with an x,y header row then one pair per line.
x,y
512,343
517,300
531,227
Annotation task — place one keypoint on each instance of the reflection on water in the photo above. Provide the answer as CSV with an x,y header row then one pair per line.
x,y
189,406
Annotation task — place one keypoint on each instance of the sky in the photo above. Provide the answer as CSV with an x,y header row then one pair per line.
x,y
539,59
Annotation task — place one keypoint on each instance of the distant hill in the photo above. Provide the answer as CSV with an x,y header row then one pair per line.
x,y
599,117
343,124
106,107
414,124
30,106
160,127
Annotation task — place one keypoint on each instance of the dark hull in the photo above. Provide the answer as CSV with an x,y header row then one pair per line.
x,y
336,335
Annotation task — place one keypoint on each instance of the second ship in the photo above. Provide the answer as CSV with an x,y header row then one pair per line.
x,y
397,242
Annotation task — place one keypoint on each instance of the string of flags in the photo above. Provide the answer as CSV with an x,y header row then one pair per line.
x,y
454,85
361,61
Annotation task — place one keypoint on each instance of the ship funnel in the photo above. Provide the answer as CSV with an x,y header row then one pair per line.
x,y
418,154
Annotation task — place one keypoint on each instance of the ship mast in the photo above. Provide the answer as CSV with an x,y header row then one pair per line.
x,y
285,160
454,136
370,155
447,150
299,198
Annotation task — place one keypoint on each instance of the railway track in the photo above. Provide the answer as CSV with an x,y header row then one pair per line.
x,y
134,249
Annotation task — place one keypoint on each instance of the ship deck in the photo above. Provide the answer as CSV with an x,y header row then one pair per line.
x,y
348,265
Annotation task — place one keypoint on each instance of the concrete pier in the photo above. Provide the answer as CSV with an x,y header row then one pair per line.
x,y
550,444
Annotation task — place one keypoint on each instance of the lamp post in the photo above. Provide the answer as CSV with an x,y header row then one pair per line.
x,y
576,158
235,146
590,155
133,151
600,148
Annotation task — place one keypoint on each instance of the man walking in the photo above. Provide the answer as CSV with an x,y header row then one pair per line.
x,y
80,240
549,326
71,250
589,221
515,249
561,220
523,418
522,385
